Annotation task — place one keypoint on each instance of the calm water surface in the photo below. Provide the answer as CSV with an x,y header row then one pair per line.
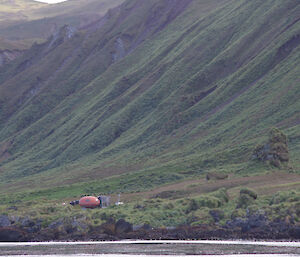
x,y
142,248
131,255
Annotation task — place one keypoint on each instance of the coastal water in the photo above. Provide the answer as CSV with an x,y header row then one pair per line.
x,y
131,255
142,248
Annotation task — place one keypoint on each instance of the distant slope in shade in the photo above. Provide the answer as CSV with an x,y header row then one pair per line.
x,y
25,22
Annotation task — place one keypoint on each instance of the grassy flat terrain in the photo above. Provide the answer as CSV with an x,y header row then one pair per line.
x,y
266,184
189,202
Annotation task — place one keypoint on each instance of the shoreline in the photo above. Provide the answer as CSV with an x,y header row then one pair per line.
x,y
122,230
110,233
151,248
131,241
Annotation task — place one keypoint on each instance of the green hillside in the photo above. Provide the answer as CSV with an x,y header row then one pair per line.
x,y
155,92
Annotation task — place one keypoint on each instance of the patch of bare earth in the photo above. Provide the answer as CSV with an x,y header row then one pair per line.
x,y
263,184
4,154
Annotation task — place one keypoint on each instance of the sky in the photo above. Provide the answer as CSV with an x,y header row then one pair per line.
x,y
51,1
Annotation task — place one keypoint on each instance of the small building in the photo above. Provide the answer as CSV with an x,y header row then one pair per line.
x,y
104,201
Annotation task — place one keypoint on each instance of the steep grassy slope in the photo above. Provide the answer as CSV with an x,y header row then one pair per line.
x,y
155,92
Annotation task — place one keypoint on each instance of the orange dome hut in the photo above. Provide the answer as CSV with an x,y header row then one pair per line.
x,y
89,202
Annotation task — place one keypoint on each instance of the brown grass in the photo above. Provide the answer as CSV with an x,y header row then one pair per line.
x,y
263,184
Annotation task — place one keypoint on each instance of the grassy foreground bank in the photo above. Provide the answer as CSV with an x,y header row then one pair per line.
x,y
192,202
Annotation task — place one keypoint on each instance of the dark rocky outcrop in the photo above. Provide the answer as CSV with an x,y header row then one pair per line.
x,y
258,226
216,176
12,234
108,227
113,228
123,227
4,221
217,214
251,226
30,225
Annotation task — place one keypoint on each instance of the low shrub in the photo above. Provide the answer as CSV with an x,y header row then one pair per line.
x,y
210,202
249,192
244,201
222,195
288,196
